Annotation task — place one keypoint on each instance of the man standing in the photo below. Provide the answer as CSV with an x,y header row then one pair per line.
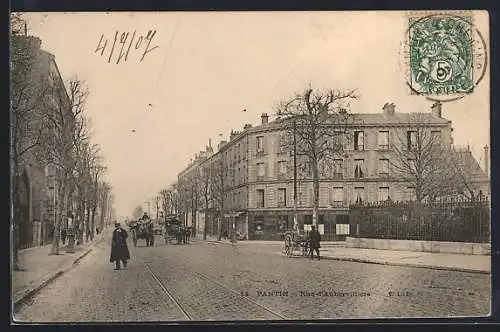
x,y
119,248
63,236
314,240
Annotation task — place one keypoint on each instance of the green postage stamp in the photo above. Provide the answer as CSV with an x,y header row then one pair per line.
x,y
446,55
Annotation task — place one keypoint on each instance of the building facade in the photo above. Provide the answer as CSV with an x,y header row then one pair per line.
x,y
256,171
38,183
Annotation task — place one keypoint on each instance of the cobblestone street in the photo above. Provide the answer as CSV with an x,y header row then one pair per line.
x,y
208,281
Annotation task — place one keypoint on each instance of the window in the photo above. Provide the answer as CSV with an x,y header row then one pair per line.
x,y
260,144
260,198
338,195
261,171
411,137
338,169
282,142
359,168
436,136
383,140
359,142
338,140
282,168
281,197
383,194
383,166
359,194
411,194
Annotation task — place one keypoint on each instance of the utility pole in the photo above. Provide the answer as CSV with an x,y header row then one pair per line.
x,y
295,221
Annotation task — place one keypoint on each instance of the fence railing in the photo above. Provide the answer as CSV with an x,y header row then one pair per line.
x,y
450,220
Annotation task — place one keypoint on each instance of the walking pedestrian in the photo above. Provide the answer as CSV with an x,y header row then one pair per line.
x,y
314,241
63,236
119,248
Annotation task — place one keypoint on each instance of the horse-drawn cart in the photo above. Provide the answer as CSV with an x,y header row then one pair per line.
x,y
175,230
142,229
296,244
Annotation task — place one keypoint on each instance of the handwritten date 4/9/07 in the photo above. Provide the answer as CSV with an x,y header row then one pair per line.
x,y
125,42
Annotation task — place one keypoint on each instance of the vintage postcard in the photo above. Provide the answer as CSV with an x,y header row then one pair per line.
x,y
250,166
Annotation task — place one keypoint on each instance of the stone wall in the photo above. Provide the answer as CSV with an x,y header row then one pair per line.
x,y
422,246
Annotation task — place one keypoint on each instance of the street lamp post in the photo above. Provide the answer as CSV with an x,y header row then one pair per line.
x,y
295,221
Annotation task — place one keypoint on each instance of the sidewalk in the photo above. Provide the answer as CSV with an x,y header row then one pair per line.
x,y
40,268
435,261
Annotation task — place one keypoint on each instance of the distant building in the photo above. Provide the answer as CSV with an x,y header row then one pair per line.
x,y
256,172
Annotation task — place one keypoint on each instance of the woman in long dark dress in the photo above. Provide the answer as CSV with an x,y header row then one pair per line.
x,y
119,248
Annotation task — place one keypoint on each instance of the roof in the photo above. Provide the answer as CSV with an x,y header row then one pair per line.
x,y
400,118
467,162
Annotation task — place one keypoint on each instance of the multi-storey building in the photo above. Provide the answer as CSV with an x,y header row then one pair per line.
x,y
37,183
257,173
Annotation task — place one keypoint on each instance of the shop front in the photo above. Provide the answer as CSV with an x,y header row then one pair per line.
x,y
272,225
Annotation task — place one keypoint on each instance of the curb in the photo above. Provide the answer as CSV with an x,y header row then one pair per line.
x,y
432,267
31,291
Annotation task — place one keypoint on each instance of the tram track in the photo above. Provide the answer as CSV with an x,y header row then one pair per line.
x,y
195,304
167,292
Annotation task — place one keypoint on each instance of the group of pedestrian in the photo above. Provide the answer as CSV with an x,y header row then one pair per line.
x,y
120,253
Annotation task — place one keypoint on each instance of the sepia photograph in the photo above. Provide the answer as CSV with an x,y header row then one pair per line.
x,y
247,166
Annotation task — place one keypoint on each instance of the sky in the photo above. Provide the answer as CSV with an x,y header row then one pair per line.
x,y
200,70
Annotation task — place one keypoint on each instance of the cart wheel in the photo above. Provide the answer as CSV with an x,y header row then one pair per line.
x,y
288,245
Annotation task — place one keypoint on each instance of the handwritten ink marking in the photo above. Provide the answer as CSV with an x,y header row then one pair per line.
x,y
103,47
244,293
112,48
149,38
130,45
123,38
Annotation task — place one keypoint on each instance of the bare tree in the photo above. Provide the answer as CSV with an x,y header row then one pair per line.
x,y
157,206
105,205
28,89
319,121
420,158
64,111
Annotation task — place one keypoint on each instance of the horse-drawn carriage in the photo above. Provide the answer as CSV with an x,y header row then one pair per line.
x,y
175,230
142,229
296,244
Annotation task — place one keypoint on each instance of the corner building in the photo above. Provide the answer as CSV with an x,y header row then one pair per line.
x,y
259,182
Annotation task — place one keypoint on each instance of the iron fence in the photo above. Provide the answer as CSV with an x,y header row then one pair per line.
x,y
453,220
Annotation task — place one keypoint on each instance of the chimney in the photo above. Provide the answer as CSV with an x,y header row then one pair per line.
x,y
486,160
436,109
247,126
264,118
233,134
209,142
389,109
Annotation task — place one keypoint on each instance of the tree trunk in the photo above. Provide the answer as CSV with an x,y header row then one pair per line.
x,y
315,194
87,222
205,229
15,224
60,207
92,221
